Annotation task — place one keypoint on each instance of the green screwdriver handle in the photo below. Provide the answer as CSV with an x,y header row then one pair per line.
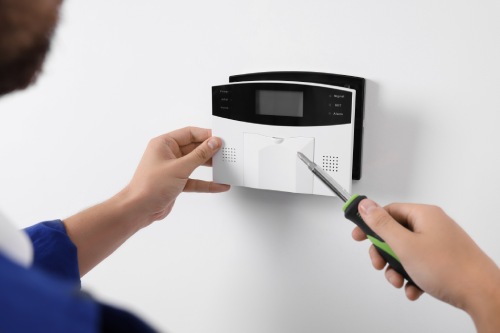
x,y
351,213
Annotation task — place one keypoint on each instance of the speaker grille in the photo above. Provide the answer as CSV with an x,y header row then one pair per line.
x,y
229,154
330,163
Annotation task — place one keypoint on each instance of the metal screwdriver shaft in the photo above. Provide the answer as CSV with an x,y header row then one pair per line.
x,y
327,180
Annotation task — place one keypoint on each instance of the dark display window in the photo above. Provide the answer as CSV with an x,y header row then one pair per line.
x,y
279,103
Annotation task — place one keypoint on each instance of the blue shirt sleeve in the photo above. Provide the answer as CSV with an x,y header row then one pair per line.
x,y
47,298
32,301
54,252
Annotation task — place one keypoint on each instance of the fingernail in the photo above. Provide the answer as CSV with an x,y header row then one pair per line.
x,y
366,206
213,144
391,278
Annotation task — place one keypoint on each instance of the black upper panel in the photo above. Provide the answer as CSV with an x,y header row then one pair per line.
x,y
308,105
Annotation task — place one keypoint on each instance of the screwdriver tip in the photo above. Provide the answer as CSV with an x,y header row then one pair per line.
x,y
304,159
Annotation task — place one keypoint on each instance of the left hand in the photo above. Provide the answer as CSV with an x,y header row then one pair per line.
x,y
161,176
165,167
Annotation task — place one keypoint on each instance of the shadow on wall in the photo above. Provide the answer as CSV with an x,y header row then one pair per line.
x,y
389,144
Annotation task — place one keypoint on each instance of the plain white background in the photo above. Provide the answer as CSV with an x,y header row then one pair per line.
x,y
122,72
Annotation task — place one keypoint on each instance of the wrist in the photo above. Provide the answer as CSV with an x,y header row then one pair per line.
x,y
484,305
130,208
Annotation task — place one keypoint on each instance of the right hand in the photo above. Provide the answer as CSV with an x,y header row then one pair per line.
x,y
440,256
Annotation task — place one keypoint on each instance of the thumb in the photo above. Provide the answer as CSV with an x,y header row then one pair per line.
x,y
200,155
383,224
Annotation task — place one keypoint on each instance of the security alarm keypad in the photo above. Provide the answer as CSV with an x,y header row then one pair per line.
x,y
264,123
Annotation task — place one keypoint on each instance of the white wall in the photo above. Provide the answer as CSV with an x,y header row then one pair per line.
x,y
124,71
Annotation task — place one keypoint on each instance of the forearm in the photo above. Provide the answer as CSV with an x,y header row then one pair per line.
x,y
98,231
161,176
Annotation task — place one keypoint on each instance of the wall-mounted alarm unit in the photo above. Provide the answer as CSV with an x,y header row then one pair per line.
x,y
264,119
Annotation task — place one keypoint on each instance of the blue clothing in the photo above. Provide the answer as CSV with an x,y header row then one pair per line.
x,y
55,253
47,298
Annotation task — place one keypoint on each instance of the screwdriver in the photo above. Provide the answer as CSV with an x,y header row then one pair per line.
x,y
351,213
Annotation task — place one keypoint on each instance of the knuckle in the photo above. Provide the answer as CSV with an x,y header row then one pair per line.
x,y
188,129
154,141
168,141
436,209
152,144
380,220
432,210
201,154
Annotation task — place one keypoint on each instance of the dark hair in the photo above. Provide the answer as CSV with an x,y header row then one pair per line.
x,y
26,28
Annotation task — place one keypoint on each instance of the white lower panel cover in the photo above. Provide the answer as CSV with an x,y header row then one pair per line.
x,y
272,163
265,157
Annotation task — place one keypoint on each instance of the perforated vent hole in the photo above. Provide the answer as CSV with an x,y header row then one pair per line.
x,y
330,163
229,154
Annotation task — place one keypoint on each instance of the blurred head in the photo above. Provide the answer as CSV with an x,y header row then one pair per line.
x,y
26,28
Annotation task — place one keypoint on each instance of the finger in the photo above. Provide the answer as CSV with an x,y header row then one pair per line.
x,y
202,186
383,224
400,212
412,292
189,148
358,234
394,277
186,149
199,156
378,261
187,135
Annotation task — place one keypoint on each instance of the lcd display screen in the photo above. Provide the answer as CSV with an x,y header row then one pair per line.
x,y
279,103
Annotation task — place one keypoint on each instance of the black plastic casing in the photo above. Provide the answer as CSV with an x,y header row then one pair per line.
x,y
352,82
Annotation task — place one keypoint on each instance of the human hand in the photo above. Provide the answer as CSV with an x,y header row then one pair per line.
x,y
439,255
161,176
165,167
